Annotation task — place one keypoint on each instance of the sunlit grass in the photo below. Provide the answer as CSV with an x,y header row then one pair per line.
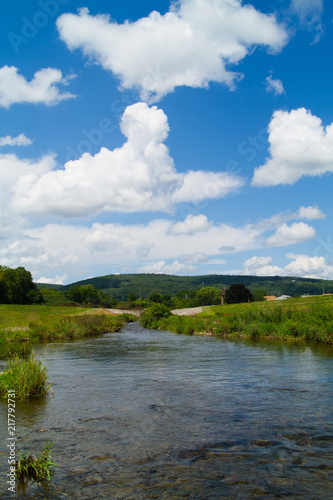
x,y
19,323
27,378
300,318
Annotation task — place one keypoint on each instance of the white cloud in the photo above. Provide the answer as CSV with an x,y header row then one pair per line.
x,y
202,185
81,251
20,140
58,280
192,224
309,13
11,170
274,85
290,235
309,267
190,45
43,88
139,176
162,267
261,266
301,265
299,146
311,213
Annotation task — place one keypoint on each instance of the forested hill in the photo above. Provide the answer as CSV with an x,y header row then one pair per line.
x,y
120,286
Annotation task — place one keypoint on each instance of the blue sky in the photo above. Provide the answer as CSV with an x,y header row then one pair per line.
x,y
192,137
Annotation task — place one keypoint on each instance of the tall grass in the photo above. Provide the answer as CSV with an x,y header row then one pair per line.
x,y
27,378
20,323
297,319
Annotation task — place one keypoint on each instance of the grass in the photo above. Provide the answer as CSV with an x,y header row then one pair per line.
x,y
37,468
20,323
27,378
303,319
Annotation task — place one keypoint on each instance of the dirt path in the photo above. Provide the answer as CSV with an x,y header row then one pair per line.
x,y
189,311
125,311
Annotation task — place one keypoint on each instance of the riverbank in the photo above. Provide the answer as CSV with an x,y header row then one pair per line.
x,y
300,318
24,323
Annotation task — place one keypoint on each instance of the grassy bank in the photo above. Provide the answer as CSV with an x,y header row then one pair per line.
x,y
304,319
19,323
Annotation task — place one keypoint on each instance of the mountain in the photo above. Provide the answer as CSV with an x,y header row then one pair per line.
x,y
119,286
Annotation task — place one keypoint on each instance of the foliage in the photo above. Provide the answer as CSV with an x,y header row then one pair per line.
x,y
87,294
153,314
237,294
27,378
159,298
37,468
17,287
208,296
54,297
120,286
259,295
132,297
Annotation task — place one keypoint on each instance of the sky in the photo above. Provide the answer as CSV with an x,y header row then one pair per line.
x,y
188,138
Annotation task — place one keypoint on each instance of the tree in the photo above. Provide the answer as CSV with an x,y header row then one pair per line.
x,y
208,296
237,294
259,295
132,297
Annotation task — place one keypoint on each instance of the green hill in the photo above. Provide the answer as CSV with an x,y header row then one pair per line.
x,y
120,286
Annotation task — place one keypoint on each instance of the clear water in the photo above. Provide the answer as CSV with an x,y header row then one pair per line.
x,y
146,414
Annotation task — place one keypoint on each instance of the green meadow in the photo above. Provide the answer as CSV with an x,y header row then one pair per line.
x,y
308,318
39,322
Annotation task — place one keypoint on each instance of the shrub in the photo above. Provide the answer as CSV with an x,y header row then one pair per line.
x,y
153,314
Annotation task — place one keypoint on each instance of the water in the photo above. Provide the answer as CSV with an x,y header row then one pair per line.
x,y
150,414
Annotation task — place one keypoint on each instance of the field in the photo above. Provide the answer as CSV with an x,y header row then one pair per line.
x,y
300,318
19,323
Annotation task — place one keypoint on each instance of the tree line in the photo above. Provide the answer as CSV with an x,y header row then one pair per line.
x,y
17,287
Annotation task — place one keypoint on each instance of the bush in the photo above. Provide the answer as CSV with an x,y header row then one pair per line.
x,y
153,314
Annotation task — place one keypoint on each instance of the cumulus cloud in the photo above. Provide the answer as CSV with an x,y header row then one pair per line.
x,y
163,267
191,45
202,185
139,176
300,265
274,85
262,266
299,146
311,213
81,251
58,280
56,249
20,140
192,224
309,267
43,88
299,232
11,170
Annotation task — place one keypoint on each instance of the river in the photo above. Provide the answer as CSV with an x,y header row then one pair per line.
x,y
145,414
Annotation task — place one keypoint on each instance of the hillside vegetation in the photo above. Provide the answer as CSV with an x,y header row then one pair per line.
x,y
119,287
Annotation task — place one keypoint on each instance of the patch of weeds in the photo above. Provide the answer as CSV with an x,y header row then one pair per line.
x,y
37,468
